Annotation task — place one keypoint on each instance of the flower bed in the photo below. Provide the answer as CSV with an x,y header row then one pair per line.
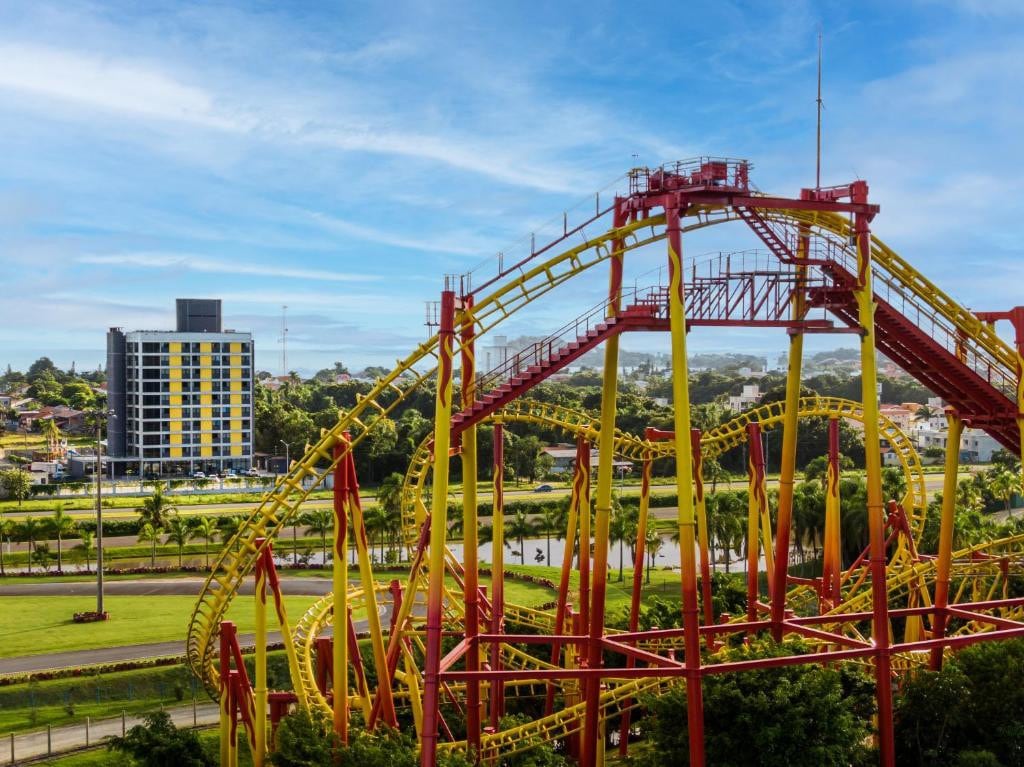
x,y
91,616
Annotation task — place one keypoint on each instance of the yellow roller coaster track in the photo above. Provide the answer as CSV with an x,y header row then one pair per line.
x,y
522,285
716,442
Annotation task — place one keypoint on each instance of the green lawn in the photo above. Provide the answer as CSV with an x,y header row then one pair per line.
x,y
36,625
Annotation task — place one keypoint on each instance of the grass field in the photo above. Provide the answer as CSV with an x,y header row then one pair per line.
x,y
36,625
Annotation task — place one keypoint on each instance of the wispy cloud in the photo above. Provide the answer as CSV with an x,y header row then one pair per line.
x,y
197,263
139,89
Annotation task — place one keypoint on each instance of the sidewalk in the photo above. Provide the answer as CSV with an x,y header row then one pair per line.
x,y
16,749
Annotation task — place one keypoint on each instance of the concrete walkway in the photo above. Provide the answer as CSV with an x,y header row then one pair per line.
x,y
17,749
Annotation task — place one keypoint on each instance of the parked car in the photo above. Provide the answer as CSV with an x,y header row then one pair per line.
x,y
230,474
251,473
198,475
543,489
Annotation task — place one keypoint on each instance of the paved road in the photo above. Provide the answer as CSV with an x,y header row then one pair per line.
x,y
154,587
32,745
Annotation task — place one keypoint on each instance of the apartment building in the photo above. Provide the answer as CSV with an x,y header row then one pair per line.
x,y
182,400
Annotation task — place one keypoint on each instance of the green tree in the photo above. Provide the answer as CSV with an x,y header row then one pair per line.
x,y
7,530
156,508
158,743
61,525
16,484
41,555
319,522
1004,485
550,522
30,529
178,533
86,547
768,718
518,528
622,529
206,528
151,535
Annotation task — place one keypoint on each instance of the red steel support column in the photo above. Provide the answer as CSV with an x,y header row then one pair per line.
x,y
583,518
756,503
438,531
684,485
471,581
638,585
339,653
498,570
779,574
832,562
592,748
873,471
579,500
701,512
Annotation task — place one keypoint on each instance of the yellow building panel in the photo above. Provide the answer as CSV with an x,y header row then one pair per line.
x,y
236,450
206,451
205,399
205,347
175,413
175,347
175,452
236,386
175,439
206,425
205,386
175,360
235,348
176,386
236,412
236,426
175,399
236,360
236,399
175,374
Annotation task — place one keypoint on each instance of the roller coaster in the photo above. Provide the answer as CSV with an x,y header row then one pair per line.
x,y
452,653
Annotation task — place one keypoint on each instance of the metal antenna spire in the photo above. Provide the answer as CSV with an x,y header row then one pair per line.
x,y
817,170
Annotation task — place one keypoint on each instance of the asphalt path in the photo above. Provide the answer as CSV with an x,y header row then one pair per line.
x,y
32,745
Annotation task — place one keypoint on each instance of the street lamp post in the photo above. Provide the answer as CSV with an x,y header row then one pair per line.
x,y
287,459
99,414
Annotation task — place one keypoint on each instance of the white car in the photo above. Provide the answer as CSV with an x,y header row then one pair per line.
x,y
199,475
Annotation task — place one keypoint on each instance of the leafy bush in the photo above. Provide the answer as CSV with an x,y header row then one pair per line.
x,y
158,743
792,716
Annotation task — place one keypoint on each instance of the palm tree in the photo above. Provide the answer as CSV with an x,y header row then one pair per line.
x,y
86,547
6,531
653,542
29,530
1005,484
61,525
155,509
924,413
714,472
319,522
150,534
622,529
205,528
178,533
550,522
377,520
518,528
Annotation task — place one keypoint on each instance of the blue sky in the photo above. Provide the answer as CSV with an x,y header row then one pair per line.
x,y
341,157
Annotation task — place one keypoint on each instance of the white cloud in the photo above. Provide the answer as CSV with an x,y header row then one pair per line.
x,y
139,89
126,87
194,263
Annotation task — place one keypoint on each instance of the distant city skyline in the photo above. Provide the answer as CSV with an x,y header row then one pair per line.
x,y
341,159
